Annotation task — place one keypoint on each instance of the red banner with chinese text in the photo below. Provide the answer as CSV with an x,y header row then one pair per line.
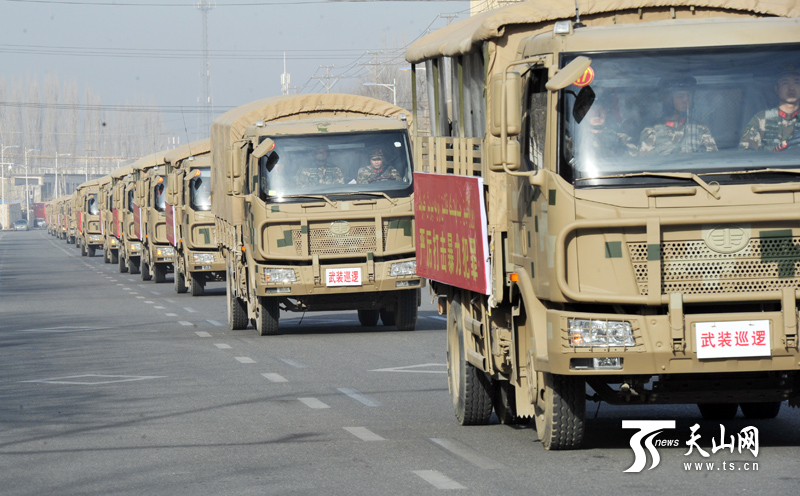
x,y
451,236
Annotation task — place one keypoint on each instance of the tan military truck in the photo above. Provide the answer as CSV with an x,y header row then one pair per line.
x,y
88,236
149,211
190,222
628,237
71,216
109,241
126,224
60,211
303,224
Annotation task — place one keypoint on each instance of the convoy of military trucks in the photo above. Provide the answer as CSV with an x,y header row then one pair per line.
x,y
607,197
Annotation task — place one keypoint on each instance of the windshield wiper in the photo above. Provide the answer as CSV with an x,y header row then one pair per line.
x,y
755,171
317,197
369,193
669,175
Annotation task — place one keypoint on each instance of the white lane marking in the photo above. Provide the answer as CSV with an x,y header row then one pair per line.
x,y
244,360
213,322
169,301
155,292
359,396
312,403
438,317
149,302
438,479
184,323
140,297
92,379
364,434
467,453
292,363
171,314
203,334
120,284
222,346
159,308
133,292
413,369
189,309
275,377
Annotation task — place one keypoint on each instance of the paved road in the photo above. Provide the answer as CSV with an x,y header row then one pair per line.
x,y
112,385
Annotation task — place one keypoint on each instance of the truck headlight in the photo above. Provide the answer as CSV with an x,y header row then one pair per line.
x,y
279,275
136,246
403,269
165,251
593,332
203,258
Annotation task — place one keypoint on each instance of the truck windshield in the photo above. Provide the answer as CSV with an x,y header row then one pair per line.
x,y
352,163
695,111
200,189
160,193
92,205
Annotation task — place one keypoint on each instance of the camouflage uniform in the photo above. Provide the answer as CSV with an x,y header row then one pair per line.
x,y
768,130
676,137
320,175
608,143
368,174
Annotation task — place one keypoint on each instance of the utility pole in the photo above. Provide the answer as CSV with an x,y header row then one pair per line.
x,y
449,17
3,165
285,78
327,78
205,75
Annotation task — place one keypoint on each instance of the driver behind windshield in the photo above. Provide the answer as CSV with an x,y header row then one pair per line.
x,y
377,170
773,129
597,137
321,171
677,132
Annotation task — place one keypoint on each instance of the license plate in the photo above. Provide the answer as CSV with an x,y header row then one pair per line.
x,y
744,338
343,277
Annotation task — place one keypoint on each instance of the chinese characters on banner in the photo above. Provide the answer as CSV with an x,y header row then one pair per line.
x,y
732,339
451,237
343,277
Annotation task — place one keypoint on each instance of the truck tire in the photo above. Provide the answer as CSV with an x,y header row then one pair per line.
x,y
114,256
133,265
765,410
561,412
505,404
387,317
106,255
368,318
83,248
268,316
406,314
90,251
160,273
123,267
237,312
470,388
197,285
718,411
180,282
145,267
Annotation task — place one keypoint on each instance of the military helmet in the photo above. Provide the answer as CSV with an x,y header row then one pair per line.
x,y
677,83
788,69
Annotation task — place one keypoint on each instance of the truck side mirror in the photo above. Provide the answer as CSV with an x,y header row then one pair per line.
x,y
513,104
569,74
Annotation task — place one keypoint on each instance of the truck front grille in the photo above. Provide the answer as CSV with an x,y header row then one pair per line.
x,y
690,267
324,242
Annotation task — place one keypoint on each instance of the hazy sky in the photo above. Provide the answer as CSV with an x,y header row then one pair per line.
x,y
152,49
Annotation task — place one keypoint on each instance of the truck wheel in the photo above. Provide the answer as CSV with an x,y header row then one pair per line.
x,y
237,312
123,267
470,389
106,256
114,256
406,315
197,285
90,251
146,276
133,265
268,315
765,410
368,318
561,412
387,317
180,282
83,248
718,411
160,273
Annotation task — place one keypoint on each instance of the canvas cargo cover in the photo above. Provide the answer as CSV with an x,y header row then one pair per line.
x,y
459,38
193,149
149,161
